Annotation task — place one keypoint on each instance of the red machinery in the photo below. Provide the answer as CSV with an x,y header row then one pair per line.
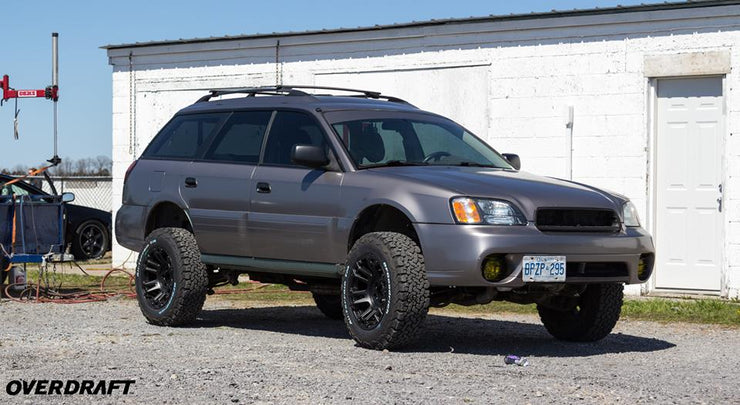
x,y
50,93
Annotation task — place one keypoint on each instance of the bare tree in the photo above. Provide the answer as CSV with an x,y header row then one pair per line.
x,y
66,168
81,167
103,165
19,169
97,166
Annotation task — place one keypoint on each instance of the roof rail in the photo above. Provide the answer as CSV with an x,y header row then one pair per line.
x,y
295,90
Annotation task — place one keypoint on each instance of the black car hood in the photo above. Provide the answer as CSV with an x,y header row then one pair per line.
x,y
77,214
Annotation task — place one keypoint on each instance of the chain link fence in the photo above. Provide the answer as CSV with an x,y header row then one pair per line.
x,y
90,191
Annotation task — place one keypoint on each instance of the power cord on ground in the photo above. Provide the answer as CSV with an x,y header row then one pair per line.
x,y
49,290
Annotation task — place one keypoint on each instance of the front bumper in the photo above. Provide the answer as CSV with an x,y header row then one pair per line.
x,y
454,254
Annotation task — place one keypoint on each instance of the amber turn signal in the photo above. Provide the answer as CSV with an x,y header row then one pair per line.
x,y
466,211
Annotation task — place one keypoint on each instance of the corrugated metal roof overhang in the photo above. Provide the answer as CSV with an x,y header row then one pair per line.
x,y
451,21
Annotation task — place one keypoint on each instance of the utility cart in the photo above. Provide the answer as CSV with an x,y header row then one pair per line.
x,y
32,231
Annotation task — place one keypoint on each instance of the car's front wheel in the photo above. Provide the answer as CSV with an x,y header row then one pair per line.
x,y
171,280
593,317
385,291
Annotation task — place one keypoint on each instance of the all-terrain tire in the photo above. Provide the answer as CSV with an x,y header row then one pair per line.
x,y
186,293
329,305
404,302
592,319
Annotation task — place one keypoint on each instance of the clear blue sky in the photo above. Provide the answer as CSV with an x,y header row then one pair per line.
x,y
85,76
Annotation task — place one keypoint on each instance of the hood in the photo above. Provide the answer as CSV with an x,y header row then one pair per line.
x,y
77,214
527,191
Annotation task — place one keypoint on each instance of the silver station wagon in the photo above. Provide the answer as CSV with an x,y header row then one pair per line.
x,y
377,208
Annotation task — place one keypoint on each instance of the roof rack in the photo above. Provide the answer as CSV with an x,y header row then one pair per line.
x,y
296,90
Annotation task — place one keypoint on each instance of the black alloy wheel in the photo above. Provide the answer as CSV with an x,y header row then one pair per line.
x,y
369,288
171,280
384,290
91,241
157,279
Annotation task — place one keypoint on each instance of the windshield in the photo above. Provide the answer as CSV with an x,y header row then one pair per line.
x,y
377,142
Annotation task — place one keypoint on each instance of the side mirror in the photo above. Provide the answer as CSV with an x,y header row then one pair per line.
x,y
513,159
309,155
68,197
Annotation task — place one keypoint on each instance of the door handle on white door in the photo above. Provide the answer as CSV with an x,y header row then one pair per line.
x,y
719,200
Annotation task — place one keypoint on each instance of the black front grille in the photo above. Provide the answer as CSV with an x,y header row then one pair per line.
x,y
577,220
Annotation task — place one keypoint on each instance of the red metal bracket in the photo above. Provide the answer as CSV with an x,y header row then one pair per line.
x,y
51,92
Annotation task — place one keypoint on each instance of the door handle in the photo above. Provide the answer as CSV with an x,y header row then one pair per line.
x,y
263,187
719,204
191,182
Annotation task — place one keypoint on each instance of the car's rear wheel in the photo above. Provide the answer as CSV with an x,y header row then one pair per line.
x,y
593,317
329,305
385,291
171,280
90,240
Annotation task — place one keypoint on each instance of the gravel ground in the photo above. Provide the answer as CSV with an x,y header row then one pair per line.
x,y
294,354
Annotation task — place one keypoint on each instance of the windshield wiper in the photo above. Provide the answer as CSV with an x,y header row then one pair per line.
x,y
476,164
395,163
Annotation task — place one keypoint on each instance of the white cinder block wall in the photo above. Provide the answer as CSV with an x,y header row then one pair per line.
x,y
511,81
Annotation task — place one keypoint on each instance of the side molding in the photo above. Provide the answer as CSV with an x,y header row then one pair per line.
x,y
326,270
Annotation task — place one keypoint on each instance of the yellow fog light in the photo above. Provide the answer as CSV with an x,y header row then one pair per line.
x,y
641,267
494,268
645,266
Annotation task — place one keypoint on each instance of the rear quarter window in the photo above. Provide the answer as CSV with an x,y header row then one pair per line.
x,y
184,136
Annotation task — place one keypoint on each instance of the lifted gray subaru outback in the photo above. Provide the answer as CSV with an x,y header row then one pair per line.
x,y
379,209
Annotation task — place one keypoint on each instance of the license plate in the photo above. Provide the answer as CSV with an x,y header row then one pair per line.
x,y
539,269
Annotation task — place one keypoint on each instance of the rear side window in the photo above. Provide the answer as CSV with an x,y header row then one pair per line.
x,y
291,128
183,137
240,139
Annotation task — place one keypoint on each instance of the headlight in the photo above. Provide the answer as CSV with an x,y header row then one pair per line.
x,y
629,213
482,211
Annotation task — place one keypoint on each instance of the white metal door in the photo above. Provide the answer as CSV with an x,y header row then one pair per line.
x,y
690,127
